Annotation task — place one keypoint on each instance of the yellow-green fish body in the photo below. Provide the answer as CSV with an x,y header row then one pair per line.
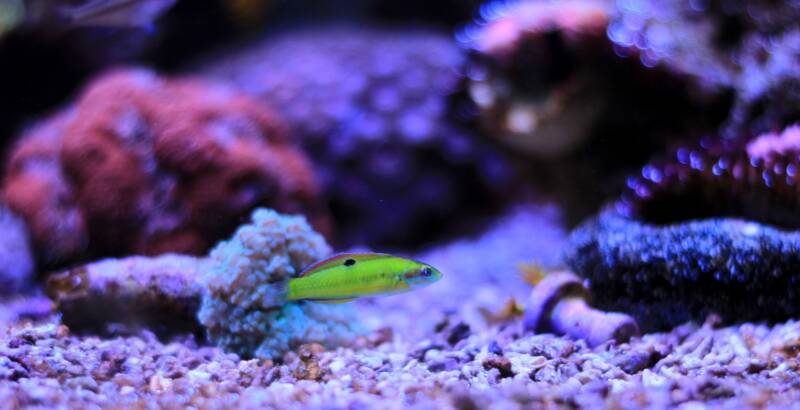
x,y
344,277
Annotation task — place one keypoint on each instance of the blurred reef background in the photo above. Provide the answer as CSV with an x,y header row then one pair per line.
x,y
610,189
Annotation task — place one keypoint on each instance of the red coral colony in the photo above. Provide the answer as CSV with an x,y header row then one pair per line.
x,y
146,165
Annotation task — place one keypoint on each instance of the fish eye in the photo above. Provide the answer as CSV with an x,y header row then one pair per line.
x,y
426,271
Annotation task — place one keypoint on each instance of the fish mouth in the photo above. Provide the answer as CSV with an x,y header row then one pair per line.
x,y
435,277
419,282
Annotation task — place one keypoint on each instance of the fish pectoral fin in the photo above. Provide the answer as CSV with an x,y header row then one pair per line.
x,y
332,301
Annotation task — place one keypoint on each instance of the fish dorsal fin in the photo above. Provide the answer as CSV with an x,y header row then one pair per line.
x,y
345,259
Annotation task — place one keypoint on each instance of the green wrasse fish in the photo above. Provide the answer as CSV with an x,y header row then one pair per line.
x,y
344,277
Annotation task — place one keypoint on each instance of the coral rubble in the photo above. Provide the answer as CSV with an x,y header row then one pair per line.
x,y
747,366
245,308
161,294
121,172
370,106
558,304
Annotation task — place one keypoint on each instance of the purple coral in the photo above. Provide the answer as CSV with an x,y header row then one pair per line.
x,y
370,106
16,259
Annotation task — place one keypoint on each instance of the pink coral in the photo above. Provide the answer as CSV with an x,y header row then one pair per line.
x,y
768,145
580,21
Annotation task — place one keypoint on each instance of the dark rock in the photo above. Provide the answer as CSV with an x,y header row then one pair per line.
x,y
666,275
495,348
458,333
502,364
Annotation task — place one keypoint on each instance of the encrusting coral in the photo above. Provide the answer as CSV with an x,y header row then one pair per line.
x,y
123,172
245,308
699,234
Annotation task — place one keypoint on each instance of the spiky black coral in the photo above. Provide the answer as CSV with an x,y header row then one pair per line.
x,y
758,181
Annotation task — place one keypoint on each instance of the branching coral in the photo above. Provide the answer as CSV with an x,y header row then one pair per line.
x,y
245,309
143,164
